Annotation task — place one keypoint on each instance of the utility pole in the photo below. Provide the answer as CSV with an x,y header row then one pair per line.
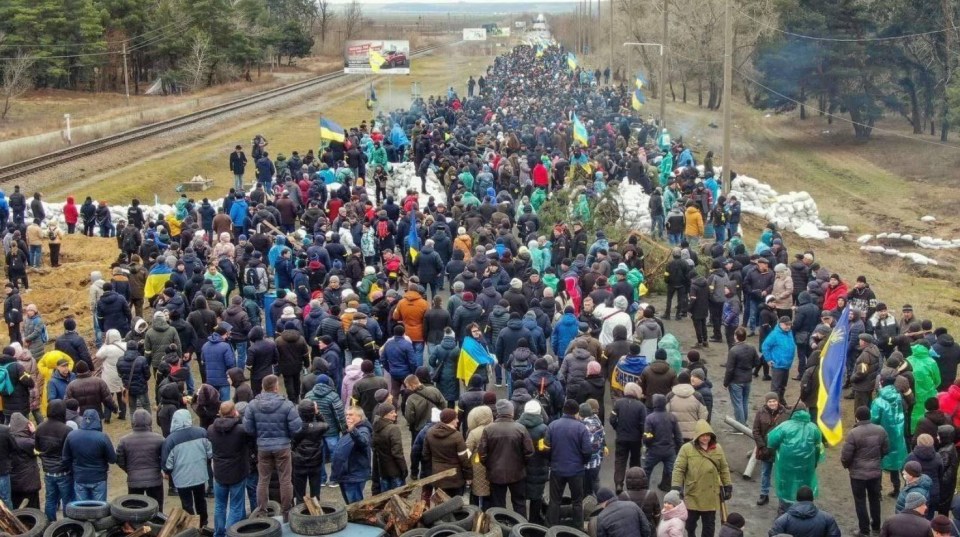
x,y
727,97
610,36
126,83
663,66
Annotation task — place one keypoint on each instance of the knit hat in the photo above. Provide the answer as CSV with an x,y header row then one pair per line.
x,y
941,524
585,410
736,520
913,468
63,361
632,389
914,500
516,283
80,368
661,354
868,338
931,404
604,495
366,366
489,398
771,396
384,409
780,268
288,313
381,395
593,368
804,494
467,296
447,415
620,302
504,408
672,497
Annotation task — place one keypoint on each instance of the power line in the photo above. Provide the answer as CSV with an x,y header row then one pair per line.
x,y
845,39
852,122
150,41
67,45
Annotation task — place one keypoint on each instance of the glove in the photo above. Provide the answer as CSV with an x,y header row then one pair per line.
x,y
726,492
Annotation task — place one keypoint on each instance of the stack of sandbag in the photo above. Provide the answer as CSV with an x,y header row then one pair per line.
x,y
635,207
795,211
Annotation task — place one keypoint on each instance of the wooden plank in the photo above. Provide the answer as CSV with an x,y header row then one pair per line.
x,y
438,497
374,501
12,521
313,506
290,237
172,525
145,530
191,521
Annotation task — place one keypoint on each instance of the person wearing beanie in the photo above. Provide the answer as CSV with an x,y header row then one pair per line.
x,y
769,416
805,518
941,526
538,465
388,457
931,465
620,518
887,411
22,382
915,483
307,448
677,277
365,390
612,317
570,446
863,450
627,419
782,292
687,405
410,311
674,516
420,399
658,378
70,342
445,448
91,391
733,527
505,449
546,389
399,357
912,518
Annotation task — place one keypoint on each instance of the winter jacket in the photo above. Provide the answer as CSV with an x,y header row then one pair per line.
x,y
218,357
410,311
932,466
308,444
623,519
866,369
505,447
273,419
804,519
509,338
88,451
538,465
863,449
25,472
134,372
92,393
262,358
949,357
293,353
419,404
388,457
445,448
906,522
689,409
628,418
157,339
50,437
72,344
330,407
352,456
637,490
573,369
741,359
661,435
138,453
186,451
673,522
657,378
445,357
230,447
552,389
764,422
700,473
113,311
570,446
779,348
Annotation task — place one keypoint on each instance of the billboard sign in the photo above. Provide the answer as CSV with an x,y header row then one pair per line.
x,y
379,57
499,32
519,24
474,34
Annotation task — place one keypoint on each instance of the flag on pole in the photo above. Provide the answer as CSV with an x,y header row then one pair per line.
x,y
472,357
331,131
579,131
539,53
640,82
156,280
833,359
571,61
376,60
637,99
413,238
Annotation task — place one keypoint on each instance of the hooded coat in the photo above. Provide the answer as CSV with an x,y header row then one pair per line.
x,y
637,490
477,421
138,453
330,407
445,357
186,451
25,474
388,457
689,409
157,339
949,357
88,451
701,472
799,447
886,410
804,519
50,437
308,444
109,357
926,376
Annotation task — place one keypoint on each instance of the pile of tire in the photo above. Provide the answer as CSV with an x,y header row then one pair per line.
x,y
90,518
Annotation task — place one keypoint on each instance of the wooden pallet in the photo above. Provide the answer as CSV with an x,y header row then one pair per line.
x,y
401,508
9,523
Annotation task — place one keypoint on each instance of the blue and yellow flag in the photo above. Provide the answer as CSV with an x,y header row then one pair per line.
x,y
331,131
637,99
579,131
571,61
640,82
156,280
472,357
833,360
413,238
376,60
539,53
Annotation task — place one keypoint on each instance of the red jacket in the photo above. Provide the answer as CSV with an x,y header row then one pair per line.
x,y
540,176
70,213
832,294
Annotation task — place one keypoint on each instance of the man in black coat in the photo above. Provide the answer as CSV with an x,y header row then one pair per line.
x,y
50,437
677,276
231,465
429,268
22,382
18,205
73,345
627,418
863,450
737,375
620,518
238,163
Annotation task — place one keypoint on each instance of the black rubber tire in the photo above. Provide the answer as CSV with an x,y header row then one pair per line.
x,y
463,517
68,526
528,530
333,519
565,531
257,527
435,514
444,530
105,523
273,509
87,510
34,519
134,508
415,532
506,519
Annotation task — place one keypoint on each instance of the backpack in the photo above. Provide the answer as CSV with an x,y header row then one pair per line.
x,y
253,277
6,381
383,229
520,369
129,242
543,397
718,285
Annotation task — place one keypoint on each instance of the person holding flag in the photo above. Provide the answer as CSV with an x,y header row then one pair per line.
x,y
833,359
474,356
580,131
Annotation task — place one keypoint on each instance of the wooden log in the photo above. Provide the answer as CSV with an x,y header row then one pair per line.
x,y
11,521
145,530
172,525
276,231
375,501
313,507
191,521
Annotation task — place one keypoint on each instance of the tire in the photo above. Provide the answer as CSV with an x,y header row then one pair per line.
x,y
333,519
87,510
134,508
415,532
506,519
444,530
589,505
273,509
257,527
565,531
494,531
528,530
435,514
70,528
105,523
34,520
463,517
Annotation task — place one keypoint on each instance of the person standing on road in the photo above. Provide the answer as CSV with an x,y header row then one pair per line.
x,y
627,418
57,479
229,443
863,450
741,359
701,473
570,449
89,453
779,349
238,163
505,448
350,464
185,454
273,419
798,444
771,414
805,518
138,454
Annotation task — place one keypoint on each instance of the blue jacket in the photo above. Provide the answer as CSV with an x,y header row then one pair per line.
x,y
88,451
661,431
218,357
779,348
399,357
238,212
566,331
351,457
804,518
538,342
186,451
273,419
57,387
570,446
330,407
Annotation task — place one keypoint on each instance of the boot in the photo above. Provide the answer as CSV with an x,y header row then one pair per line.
x,y
763,500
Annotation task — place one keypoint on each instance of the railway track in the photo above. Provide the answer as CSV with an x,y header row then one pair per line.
x,y
32,165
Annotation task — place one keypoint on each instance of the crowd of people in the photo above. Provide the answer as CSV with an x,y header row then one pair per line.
x,y
344,338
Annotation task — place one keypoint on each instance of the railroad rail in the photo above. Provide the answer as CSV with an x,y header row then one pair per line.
x,y
56,158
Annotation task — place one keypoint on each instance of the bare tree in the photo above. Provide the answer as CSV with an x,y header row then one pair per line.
x,y
325,16
197,62
352,19
16,80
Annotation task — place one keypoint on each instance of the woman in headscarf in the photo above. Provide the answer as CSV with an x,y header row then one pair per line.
x,y
105,367
29,365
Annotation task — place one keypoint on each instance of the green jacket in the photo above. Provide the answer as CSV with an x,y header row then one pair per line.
x,y
799,447
926,375
887,412
666,168
378,155
701,473
669,200
670,344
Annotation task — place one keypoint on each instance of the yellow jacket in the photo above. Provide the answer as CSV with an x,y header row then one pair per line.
x,y
47,364
694,222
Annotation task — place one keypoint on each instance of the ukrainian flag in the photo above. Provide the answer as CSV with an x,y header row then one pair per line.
x,y
539,53
571,61
833,359
376,60
472,357
156,279
637,99
579,131
413,238
640,82
331,131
